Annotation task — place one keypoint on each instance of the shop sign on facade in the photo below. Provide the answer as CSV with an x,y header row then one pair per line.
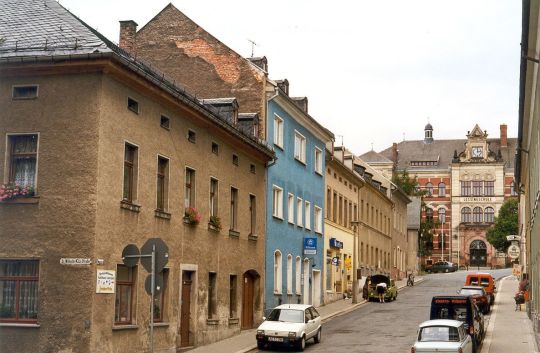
x,y
334,243
310,246
106,281
513,251
335,261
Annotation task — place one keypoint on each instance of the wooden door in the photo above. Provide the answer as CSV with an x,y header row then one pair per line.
x,y
185,310
247,301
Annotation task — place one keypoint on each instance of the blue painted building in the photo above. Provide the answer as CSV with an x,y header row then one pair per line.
x,y
295,202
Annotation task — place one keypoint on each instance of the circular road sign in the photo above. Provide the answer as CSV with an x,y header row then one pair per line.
x,y
158,284
130,250
513,251
162,254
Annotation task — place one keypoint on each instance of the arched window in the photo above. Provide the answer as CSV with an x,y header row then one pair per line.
x,y
477,215
429,189
466,215
442,190
298,275
277,272
289,274
489,215
442,215
429,214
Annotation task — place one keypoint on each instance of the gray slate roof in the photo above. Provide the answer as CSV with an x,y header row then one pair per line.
x,y
373,157
43,28
443,151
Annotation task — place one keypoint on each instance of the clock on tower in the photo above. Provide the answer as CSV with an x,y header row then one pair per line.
x,y
477,152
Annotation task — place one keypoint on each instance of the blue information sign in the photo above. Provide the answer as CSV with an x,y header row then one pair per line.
x,y
310,246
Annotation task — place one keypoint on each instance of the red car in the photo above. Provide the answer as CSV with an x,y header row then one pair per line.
x,y
479,295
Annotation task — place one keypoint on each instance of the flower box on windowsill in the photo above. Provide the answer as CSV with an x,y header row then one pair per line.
x,y
189,222
162,214
234,233
126,205
21,200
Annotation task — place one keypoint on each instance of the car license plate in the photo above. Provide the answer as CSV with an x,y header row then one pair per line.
x,y
275,339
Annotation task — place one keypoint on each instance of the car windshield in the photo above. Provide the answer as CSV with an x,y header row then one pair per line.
x,y
468,291
286,315
439,334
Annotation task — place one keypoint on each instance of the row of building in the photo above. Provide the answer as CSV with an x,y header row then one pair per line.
x,y
173,135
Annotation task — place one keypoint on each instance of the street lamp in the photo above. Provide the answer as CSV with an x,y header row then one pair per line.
x,y
355,263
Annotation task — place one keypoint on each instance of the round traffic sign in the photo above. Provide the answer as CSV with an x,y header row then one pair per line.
x,y
513,251
130,250
158,284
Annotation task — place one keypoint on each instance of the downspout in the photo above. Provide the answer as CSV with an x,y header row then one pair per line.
x,y
522,80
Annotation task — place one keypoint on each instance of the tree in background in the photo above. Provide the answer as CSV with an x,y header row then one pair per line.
x,y
407,183
425,240
506,223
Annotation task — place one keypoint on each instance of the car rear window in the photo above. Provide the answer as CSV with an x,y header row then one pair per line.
x,y
474,280
470,292
449,312
438,334
484,281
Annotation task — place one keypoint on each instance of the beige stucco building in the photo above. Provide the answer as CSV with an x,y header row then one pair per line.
x,y
115,154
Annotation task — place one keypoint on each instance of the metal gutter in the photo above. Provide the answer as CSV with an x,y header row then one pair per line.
x,y
522,80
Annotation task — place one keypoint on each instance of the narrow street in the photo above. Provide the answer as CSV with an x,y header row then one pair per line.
x,y
389,327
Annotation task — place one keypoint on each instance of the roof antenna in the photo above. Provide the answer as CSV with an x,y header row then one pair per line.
x,y
253,44
372,146
403,136
340,136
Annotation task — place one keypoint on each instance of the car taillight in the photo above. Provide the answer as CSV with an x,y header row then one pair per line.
x,y
471,329
460,350
413,350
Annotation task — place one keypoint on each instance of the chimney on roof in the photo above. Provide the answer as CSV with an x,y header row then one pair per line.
x,y
504,136
128,31
302,102
283,85
394,153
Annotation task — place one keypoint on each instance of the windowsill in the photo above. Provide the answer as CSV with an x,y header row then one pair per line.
x,y
13,324
162,214
22,200
124,327
278,146
318,232
300,226
278,218
234,321
160,324
277,293
212,322
307,229
234,233
300,161
253,237
126,205
318,173
213,228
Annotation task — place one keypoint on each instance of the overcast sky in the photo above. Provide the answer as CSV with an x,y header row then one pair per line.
x,y
373,71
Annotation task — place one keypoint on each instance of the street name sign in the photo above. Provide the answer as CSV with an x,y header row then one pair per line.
x,y
75,261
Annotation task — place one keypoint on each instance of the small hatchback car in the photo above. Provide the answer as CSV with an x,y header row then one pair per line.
x,y
442,336
444,266
481,298
290,325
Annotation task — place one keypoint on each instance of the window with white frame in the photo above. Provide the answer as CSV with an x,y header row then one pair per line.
x,y
318,219
290,208
277,272
289,274
278,131
318,160
22,160
307,211
298,279
277,203
299,147
299,212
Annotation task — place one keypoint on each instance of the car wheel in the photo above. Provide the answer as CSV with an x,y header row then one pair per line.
x,y
474,349
318,336
260,346
302,344
446,270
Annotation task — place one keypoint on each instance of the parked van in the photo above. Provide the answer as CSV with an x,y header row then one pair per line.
x,y
461,308
485,280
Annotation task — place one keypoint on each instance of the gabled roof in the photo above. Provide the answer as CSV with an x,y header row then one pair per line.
x,y
32,30
373,157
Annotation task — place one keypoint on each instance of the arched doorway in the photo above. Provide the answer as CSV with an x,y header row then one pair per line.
x,y
249,300
478,253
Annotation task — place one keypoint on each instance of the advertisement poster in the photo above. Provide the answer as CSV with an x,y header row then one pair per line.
x,y
106,281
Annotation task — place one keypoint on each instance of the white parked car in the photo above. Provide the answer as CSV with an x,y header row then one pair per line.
x,y
290,325
442,336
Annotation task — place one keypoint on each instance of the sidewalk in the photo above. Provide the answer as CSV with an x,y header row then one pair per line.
x,y
508,330
245,341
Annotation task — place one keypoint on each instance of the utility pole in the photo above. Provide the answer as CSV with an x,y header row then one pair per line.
x,y
355,224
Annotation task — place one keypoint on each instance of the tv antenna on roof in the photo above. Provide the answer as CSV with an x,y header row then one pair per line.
x,y
253,44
